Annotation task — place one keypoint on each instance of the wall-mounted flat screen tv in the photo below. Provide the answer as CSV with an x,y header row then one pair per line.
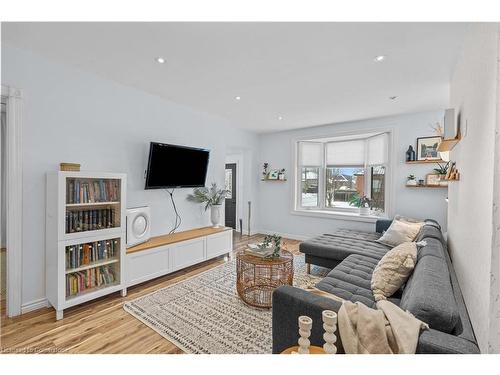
x,y
172,166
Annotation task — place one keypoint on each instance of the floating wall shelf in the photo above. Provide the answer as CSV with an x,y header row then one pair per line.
x,y
448,144
425,161
428,186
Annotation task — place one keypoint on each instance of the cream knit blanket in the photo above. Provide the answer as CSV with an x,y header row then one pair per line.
x,y
387,330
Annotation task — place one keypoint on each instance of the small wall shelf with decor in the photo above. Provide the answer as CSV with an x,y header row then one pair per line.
x,y
85,237
427,186
425,161
272,174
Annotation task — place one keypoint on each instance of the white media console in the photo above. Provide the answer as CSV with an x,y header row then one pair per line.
x,y
169,253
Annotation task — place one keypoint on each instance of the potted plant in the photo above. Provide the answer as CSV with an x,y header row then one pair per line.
x,y
281,174
272,240
442,170
265,171
362,202
213,198
411,180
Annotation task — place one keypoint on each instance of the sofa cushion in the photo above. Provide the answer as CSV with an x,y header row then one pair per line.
x,y
428,294
401,230
339,248
392,271
355,234
351,279
430,231
433,247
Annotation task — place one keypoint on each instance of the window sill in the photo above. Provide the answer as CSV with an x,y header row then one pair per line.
x,y
353,216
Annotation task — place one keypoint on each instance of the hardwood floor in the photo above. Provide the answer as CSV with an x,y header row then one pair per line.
x,y
101,326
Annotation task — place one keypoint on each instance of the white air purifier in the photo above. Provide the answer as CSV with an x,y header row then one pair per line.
x,y
138,225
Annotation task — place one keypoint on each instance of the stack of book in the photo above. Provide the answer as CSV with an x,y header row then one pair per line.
x,y
88,253
79,282
84,220
92,191
256,250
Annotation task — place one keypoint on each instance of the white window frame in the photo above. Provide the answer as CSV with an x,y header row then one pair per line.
x,y
346,213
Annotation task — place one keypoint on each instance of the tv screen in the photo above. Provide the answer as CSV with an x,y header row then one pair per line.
x,y
172,166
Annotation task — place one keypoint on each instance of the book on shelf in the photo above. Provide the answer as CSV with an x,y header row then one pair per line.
x,y
92,252
78,282
85,220
92,191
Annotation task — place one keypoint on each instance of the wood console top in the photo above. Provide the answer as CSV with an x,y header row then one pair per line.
x,y
175,237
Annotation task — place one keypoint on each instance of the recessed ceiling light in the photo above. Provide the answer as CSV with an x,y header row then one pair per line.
x,y
160,60
280,118
393,97
379,58
237,97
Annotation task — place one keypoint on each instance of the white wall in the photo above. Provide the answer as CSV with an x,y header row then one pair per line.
x,y
494,339
73,116
275,199
473,95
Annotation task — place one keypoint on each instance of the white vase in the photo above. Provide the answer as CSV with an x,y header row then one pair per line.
x,y
411,182
216,215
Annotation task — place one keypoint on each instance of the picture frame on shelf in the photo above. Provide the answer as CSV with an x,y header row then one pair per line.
x,y
427,148
432,179
273,174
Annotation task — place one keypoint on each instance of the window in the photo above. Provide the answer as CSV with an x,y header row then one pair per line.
x,y
333,173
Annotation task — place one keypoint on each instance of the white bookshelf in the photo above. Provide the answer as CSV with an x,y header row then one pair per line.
x,y
90,228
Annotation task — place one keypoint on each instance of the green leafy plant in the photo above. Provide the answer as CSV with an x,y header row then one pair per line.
x,y
411,177
275,241
209,196
443,169
360,201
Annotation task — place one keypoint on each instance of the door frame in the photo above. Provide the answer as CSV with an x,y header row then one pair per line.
x,y
238,160
14,199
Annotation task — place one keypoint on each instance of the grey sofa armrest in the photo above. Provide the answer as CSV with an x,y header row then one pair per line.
x,y
288,304
432,341
382,225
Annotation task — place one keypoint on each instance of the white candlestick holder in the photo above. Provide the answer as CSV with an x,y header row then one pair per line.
x,y
330,326
305,325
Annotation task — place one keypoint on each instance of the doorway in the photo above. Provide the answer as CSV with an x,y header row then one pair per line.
x,y
230,203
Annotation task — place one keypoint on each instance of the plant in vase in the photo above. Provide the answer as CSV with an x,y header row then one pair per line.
x,y
272,240
411,180
442,170
213,198
265,171
281,174
362,202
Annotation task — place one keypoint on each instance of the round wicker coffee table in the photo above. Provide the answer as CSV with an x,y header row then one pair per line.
x,y
256,277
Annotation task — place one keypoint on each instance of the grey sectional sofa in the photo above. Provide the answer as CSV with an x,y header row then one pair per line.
x,y
432,293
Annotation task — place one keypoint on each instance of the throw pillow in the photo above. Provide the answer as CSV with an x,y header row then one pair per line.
x,y
393,270
401,230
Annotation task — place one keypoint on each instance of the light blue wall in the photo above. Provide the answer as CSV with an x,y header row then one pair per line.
x,y
275,200
73,116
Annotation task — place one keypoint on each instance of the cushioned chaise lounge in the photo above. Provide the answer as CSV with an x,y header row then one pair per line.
x,y
432,293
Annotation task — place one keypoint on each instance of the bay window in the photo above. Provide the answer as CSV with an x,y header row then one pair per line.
x,y
334,172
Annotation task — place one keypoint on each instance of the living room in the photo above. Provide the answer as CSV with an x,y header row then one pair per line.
x,y
238,188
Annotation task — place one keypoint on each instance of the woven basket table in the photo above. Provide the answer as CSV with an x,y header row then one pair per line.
x,y
256,277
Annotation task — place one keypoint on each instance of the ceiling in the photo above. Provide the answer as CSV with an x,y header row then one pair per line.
x,y
308,73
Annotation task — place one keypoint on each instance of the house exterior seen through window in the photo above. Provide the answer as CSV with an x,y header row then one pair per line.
x,y
335,173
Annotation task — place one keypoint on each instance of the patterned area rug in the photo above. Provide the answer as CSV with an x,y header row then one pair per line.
x,y
204,314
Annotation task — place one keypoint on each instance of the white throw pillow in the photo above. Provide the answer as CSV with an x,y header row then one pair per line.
x,y
393,270
401,230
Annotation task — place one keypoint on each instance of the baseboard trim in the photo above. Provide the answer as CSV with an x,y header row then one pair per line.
x,y
291,236
34,305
